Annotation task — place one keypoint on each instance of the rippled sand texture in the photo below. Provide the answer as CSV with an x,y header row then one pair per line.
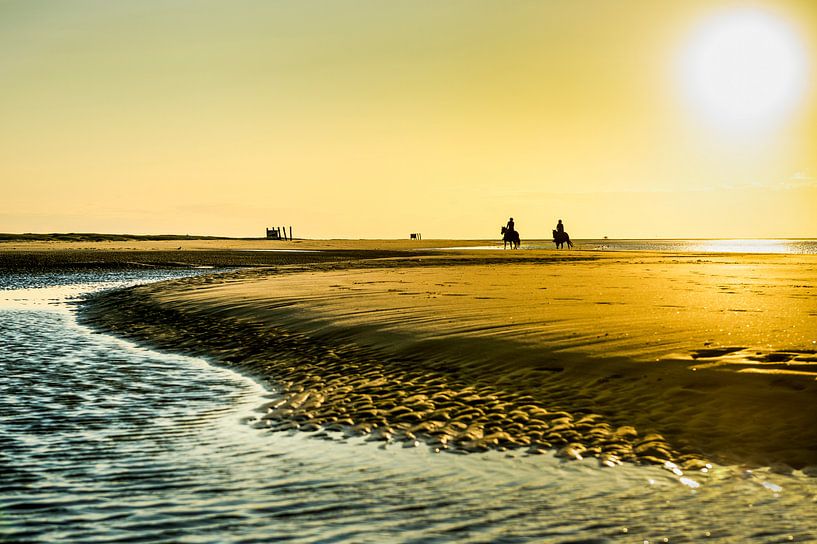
x,y
628,357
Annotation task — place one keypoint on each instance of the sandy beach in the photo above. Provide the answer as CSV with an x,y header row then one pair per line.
x,y
409,272
651,358
21,255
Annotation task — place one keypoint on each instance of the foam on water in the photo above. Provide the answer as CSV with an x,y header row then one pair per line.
x,y
102,440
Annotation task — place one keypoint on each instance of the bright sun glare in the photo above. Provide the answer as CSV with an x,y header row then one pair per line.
x,y
744,69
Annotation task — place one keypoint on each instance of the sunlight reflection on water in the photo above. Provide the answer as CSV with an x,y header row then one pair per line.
x,y
772,246
747,246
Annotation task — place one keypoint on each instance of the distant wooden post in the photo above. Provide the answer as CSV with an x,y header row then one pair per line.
x,y
279,233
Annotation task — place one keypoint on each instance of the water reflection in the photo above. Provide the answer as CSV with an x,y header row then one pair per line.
x,y
776,246
101,440
746,246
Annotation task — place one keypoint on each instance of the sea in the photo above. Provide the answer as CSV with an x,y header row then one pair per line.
x,y
103,440
724,245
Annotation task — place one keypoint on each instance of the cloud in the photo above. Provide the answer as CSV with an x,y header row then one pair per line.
x,y
798,180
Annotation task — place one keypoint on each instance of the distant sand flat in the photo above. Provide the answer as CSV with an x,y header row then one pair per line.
x,y
702,355
641,308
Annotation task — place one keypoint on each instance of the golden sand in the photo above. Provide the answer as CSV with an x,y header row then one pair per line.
x,y
237,244
640,357
32,256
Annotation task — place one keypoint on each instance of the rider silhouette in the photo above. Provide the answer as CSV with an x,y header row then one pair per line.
x,y
559,227
510,225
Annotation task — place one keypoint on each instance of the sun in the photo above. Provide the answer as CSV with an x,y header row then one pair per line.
x,y
744,69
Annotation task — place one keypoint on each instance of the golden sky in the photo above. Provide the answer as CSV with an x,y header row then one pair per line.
x,y
371,119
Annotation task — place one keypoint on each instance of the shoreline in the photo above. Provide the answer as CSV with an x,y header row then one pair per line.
x,y
96,258
359,392
351,352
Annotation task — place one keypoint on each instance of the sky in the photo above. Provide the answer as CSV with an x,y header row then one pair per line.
x,y
371,119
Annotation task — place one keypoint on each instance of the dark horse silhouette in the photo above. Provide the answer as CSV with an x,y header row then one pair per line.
x,y
561,238
511,236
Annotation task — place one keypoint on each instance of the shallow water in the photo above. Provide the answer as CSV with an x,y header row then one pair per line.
x,y
726,245
101,440
798,247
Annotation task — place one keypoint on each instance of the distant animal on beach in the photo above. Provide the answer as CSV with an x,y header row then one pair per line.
x,y
561,238
510,236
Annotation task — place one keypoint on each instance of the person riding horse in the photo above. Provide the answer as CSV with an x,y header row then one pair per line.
x,y
560,237
509,234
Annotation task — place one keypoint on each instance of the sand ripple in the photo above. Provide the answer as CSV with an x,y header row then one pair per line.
x,y
468,354
338,388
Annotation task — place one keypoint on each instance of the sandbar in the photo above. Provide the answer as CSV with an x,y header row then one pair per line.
x,y
669,359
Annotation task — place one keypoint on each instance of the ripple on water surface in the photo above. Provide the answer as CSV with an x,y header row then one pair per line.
x,y
101,440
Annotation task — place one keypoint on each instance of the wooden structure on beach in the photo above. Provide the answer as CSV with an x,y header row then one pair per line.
x,y
279,233
415,236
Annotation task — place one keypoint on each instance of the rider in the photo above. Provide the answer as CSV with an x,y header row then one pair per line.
x,y
509,226
559,227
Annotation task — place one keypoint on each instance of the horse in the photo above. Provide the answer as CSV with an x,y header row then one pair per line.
x,y
511,236
561,238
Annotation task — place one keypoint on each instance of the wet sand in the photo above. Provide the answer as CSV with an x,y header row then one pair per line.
x,y
43,256
676,360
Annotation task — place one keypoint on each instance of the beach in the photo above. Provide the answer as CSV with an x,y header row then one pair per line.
x,y
678,360
45,255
